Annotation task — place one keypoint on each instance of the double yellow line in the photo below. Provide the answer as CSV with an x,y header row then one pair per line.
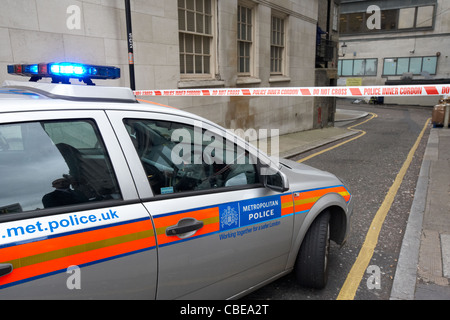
x,y
361,133
358,269
356,273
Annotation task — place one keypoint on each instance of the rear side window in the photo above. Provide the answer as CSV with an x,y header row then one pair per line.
x,y
49,164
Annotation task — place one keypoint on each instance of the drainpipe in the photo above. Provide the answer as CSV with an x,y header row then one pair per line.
x,y
130,44
328,19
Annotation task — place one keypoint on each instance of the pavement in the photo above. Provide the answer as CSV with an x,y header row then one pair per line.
x,y
299,142
423,269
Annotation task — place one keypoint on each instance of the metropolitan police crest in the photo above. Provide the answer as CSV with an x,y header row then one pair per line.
x,y
229,217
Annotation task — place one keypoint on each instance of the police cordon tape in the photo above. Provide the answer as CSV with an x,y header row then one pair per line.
x,y
403,90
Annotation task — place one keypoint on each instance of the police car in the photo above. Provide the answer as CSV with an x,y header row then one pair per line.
x,y
102,196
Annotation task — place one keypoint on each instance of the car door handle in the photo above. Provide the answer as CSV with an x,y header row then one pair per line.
x,y
5,268
183,226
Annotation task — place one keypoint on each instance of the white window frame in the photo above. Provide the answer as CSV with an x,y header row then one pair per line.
x,y
283,74
212,47
250,41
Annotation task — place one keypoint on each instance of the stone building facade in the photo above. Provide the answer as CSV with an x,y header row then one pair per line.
x,y
186,44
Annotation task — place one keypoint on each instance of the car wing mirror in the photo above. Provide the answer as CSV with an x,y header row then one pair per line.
x,y
277,181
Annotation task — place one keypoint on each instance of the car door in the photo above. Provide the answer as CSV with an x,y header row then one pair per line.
x,y
219,231
71,223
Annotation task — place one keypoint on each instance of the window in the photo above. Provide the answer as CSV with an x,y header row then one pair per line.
x,y
277,45
195,36
355,23
358,67
370,67
417,17
179,158
245,37
390,67
391,20
406,18
414,65
347,68
402,65
53,163
425,16
429,64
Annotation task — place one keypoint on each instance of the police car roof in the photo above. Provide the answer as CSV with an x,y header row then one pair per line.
x,y
31,96
72,92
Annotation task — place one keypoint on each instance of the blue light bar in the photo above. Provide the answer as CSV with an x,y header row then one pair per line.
x,y
63,71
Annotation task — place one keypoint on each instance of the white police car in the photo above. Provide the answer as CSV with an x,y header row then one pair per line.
x,y
105,197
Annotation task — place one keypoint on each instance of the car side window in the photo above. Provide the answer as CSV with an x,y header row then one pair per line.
x,y
178,157
46,164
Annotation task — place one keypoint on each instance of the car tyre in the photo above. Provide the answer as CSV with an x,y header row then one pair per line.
x,y
311,266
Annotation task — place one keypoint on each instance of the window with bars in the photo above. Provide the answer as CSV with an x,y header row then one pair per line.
x,y
276,45
195,36
245,39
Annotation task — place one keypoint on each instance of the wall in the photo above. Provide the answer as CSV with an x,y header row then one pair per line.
x,y
37,31
404,44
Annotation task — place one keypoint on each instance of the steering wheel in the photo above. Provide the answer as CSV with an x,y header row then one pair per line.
x,y
189,176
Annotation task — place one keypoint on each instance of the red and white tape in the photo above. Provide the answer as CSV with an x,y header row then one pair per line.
x,y
413,90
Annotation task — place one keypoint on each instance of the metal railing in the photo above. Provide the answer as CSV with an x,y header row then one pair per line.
x,y
326,51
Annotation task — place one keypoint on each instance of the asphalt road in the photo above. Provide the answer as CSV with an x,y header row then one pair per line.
x,y
369,165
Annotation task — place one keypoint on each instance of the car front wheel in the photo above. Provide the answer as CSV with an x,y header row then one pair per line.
x,y
311,266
